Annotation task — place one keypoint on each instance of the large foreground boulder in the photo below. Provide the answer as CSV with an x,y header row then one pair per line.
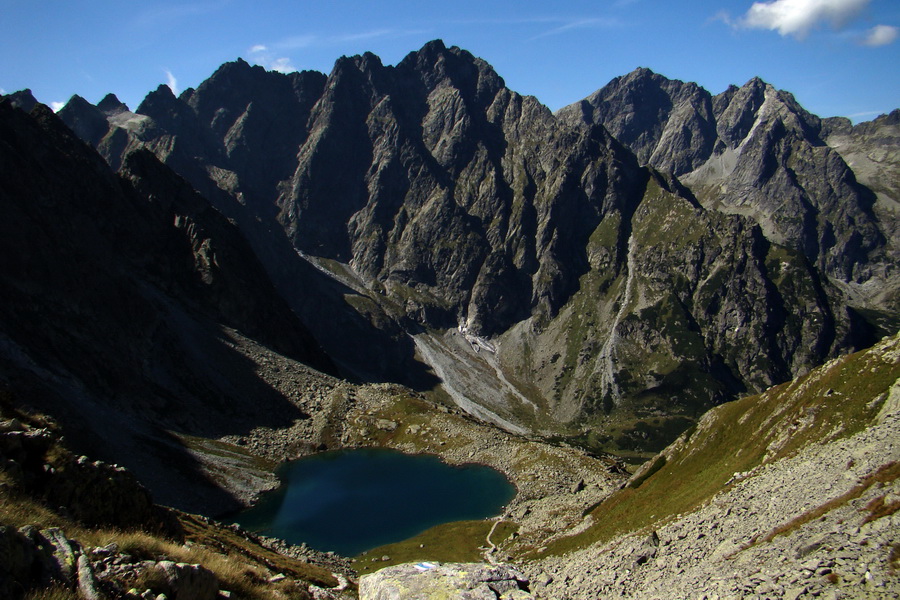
x,y
427,580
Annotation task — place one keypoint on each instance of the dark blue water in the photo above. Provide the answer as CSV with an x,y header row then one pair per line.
x,y
355,500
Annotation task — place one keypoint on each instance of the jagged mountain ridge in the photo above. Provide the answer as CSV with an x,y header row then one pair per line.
x,y
750,150
450,199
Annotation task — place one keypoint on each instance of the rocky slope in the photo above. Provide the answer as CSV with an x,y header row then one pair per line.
x,y
435,198
806,508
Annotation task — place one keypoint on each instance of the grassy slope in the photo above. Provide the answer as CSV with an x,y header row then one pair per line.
x,y
832,402
461,541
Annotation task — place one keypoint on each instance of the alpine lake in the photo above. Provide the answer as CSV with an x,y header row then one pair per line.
x,y
350,501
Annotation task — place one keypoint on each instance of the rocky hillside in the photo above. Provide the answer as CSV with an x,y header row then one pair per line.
x,y
453,215
793,493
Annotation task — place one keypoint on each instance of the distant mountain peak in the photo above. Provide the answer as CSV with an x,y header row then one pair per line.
x,y
23,99
111,105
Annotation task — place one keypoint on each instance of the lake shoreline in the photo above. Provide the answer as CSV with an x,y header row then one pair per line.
x,y
353,500
554,484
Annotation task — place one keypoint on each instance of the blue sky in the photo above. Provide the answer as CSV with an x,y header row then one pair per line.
x,y
839,57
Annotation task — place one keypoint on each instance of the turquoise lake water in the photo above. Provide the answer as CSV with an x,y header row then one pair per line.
x,y
350,501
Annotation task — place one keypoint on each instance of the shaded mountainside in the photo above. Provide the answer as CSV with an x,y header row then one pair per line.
x,y
127,302
611,293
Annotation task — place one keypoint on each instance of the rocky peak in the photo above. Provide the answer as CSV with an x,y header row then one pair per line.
x,y
111,106
85,119
736,110
435,63
22,99
159,103
666,123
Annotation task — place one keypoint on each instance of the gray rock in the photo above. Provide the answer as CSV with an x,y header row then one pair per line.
x,y
466,581
87,582
188,582
17,554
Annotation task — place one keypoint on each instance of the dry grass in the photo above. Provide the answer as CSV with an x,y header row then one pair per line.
x,y
52,593
241,566
894,559
878,508
460,541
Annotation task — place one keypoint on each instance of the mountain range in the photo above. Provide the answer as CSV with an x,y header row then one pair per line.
x,y
647,252
249,269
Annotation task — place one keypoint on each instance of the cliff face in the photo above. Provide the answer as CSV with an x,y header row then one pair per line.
x,y
435,197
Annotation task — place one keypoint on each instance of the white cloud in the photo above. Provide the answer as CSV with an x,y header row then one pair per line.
x,y
258,48
799,17
881,35
171,82
2,92
56,106
282,65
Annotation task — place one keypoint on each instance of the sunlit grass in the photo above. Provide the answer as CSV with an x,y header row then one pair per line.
x,y
461,541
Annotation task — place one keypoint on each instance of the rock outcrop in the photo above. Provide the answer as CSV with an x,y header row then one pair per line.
x,y
423,581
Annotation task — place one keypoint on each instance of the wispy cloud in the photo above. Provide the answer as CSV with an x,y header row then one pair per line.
x,y
171,81
2,92
798,17
557,25
261,55
165,15
57,106
297,42
881,35
580,23
868,113
276,56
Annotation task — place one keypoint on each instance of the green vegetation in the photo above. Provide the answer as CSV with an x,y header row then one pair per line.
x,y
830,403
461,541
